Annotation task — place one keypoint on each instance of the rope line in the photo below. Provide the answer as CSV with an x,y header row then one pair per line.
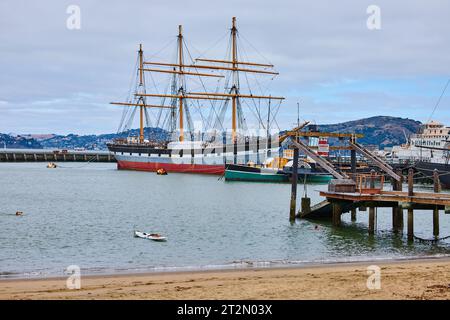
x,y
431,240
82,166
439,100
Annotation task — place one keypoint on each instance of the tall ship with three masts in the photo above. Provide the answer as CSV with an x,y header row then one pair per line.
x,y
224,138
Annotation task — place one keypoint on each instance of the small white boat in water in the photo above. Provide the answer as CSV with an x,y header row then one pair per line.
x,y
149,236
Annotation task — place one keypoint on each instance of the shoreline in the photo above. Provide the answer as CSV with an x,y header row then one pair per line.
x,y
242,266
406,279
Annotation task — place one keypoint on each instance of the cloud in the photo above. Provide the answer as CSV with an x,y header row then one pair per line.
x,y
64,79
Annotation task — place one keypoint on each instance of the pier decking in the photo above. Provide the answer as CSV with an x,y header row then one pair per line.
x,y
341,201
44,155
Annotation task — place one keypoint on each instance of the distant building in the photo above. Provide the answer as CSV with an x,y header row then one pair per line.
x,y
432,134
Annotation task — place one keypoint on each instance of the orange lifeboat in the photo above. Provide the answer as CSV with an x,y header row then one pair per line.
x,y
161,172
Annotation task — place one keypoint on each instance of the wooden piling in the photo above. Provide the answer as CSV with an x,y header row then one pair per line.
x,y
410,209
294,185
306,205
410,182
353,162
437,183
436,222
397,211
394,218
371,220
410,224
395,208
353,215
400,223
437,188
372,179
400,183
336,214
397,219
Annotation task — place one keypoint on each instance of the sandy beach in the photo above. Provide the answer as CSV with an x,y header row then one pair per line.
x,y
416,279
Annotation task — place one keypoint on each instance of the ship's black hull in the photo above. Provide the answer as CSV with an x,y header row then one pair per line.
x,y
427,168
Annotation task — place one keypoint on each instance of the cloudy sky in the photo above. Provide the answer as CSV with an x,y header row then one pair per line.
x,y
53,79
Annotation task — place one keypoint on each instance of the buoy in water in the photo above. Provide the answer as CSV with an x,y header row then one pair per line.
x,y
161,172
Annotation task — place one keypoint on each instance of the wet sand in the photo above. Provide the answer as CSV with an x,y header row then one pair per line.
x,y
414,279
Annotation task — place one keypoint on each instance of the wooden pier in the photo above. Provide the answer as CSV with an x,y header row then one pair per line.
x,y
49,155
351,190
349,197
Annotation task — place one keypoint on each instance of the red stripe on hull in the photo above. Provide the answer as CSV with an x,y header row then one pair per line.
x,y
171,167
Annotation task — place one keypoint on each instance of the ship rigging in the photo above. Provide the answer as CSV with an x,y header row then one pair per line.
x,y
185,97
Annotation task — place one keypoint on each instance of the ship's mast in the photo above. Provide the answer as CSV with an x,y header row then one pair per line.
x,y
140,93
234,88
235,66
141,85
181,69
180,62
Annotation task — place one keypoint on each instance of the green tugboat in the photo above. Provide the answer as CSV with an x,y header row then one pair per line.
x,y
234,172
262,174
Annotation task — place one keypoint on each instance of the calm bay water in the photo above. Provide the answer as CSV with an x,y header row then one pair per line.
x,y
85,214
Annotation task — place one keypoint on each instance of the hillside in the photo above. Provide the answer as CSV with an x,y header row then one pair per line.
x,y
382,131
71,141
98,142
18,142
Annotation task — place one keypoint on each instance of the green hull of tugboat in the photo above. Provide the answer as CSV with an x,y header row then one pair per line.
x,y
246,173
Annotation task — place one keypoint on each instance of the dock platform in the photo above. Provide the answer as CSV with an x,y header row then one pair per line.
x,y
386,199
343,197
350,191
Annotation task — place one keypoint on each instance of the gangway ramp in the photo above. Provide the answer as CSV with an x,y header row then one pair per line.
x,y
324,210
